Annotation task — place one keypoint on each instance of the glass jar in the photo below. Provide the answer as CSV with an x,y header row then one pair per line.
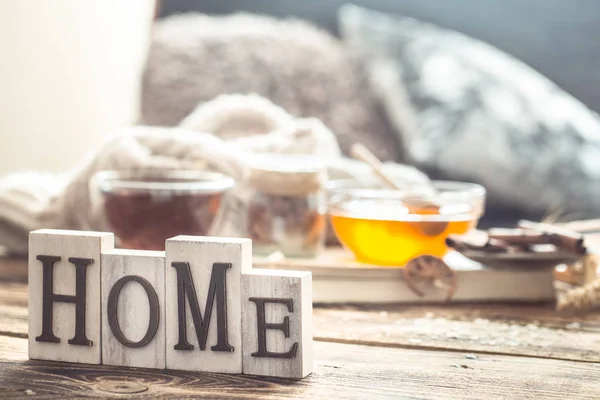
x,y
391,227
288,206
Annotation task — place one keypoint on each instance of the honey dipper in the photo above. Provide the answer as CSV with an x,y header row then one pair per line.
x,y
362,153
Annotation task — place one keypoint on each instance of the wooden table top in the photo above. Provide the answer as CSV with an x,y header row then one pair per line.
x,y
474,351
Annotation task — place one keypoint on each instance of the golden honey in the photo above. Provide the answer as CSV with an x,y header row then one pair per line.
x,y
394,243
386,229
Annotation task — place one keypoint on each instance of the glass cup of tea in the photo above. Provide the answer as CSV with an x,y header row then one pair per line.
x,y
143,208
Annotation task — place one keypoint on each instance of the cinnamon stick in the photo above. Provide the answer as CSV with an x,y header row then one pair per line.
x,y
518,236
495,245
560,237
461,244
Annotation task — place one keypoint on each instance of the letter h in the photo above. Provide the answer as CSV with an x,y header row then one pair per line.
x,y
49,297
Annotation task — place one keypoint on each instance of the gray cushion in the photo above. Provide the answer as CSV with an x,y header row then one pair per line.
x,y
196,57
481,115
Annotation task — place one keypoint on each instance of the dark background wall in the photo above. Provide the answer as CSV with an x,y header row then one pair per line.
x,y
559,38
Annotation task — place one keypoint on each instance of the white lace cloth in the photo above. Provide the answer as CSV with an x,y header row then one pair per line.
x,y
238,124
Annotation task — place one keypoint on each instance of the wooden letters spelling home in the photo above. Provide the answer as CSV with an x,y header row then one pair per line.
x,y
196,306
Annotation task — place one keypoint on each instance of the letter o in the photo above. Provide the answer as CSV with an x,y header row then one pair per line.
x,y
113,320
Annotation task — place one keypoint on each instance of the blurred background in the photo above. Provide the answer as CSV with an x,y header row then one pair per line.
x,y
503,93
555,37
70,72
87,57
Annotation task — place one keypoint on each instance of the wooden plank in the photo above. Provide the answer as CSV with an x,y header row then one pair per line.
x,y
453,327
494,329
66,264
13,321
133,299
13,349
283,300
342,371
13,269
13,308
14,294
196,260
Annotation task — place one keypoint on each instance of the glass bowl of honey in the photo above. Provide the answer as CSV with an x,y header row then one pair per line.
x,y
390,227
145,207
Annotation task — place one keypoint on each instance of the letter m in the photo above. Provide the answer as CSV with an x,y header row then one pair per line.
x,y
217,290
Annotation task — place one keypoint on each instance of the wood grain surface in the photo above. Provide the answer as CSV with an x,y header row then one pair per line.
x,y
417,352
532,330
529,330
201,255
13,308
65,247
342,371
13,269
134,308
288,305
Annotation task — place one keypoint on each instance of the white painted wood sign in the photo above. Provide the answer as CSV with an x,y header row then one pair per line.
x,y
198,306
